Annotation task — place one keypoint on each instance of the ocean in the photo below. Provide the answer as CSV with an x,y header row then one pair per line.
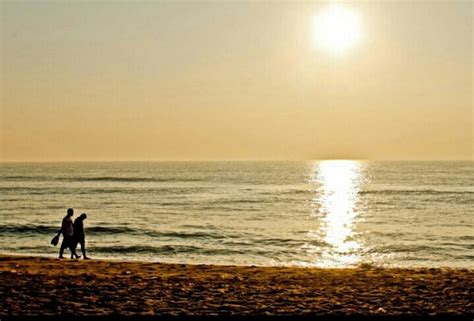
x,y
295,213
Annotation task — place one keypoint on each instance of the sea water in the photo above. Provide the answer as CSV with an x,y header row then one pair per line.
x,y
299,213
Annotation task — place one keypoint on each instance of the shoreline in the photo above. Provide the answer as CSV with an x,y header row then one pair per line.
x,y
33,285
54,256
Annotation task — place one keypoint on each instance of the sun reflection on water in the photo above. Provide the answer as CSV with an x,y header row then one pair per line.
x,y
339,183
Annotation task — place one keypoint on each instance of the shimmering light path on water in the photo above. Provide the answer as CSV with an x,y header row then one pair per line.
x,y
339,181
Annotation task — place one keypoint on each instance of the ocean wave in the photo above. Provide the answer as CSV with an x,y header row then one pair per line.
x,y
134,249
165,250
28,177
201,226
137,191
105,190
28,229
393,235
239,201
225,209
114,230
413,191
107,230
232,240
19,188
284,241
409,248
185,235
100,179
132,179
110,229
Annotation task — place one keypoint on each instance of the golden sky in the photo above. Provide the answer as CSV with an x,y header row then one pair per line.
x,y
197,81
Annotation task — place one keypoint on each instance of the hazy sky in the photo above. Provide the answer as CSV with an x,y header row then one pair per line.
x,y
166,81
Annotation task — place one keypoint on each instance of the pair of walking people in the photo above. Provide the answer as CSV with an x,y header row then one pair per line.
x,y
73,234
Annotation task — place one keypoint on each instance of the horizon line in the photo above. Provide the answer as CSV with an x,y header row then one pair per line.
x,y
236,160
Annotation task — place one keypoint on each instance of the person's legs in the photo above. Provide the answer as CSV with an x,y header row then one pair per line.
x,y
72,247
64,245
83,248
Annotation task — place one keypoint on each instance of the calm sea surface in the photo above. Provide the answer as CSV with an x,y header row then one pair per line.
x,y
322,213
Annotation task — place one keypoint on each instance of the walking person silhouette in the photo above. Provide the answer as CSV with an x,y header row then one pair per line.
x,y
67,230
79,235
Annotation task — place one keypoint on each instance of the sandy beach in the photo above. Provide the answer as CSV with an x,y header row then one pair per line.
x,y
46,286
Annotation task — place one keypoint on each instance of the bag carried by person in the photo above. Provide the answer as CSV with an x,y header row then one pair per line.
x,y
55,240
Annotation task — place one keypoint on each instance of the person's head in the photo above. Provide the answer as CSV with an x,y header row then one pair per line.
x,y
70,212
83,216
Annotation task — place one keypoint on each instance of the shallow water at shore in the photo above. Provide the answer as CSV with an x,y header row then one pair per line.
x,y
325,213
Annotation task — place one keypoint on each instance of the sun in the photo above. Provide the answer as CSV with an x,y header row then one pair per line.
x,y
337,28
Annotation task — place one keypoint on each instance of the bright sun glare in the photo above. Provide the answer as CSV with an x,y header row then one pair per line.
x,y
337,28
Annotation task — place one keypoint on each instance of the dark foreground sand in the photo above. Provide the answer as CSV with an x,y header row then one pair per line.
x,y
33,285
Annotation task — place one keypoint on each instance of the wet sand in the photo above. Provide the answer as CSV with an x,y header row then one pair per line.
x,y
46,286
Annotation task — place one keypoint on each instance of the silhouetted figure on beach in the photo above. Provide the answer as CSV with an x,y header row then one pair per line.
x,y
67,230
78,234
